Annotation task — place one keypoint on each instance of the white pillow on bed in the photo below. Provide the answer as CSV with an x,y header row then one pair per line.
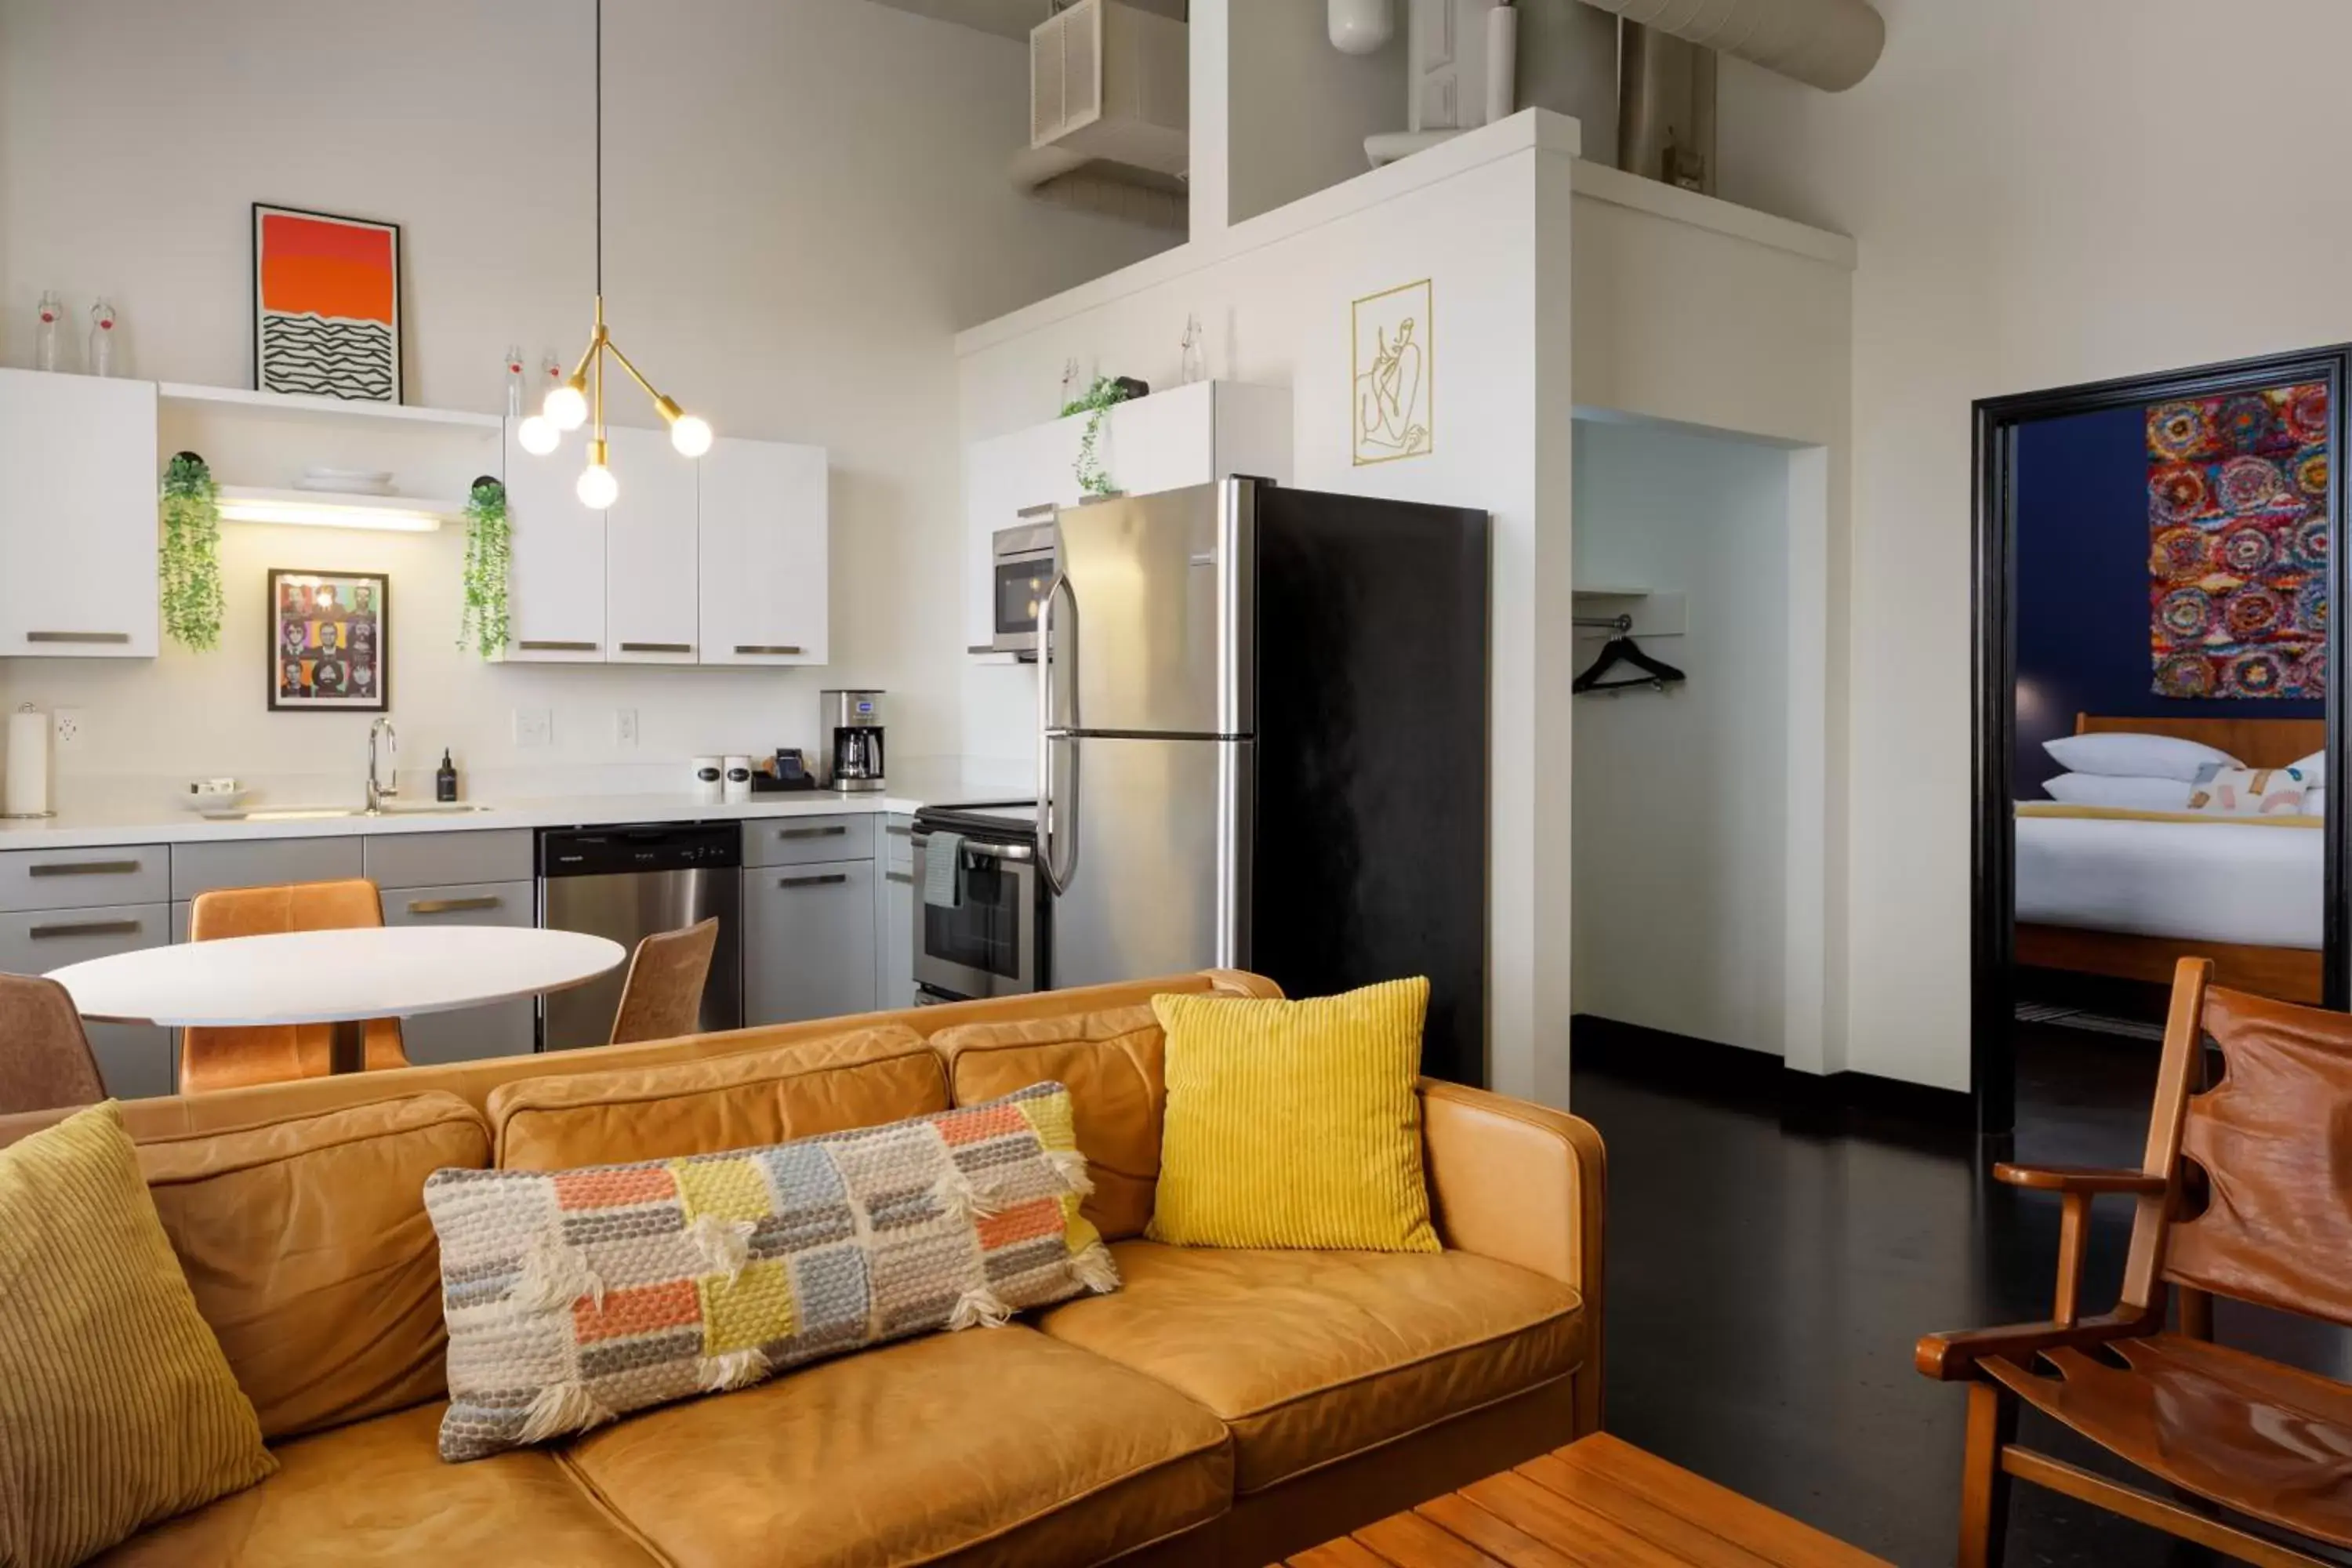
x,y
2103,789
2314,768
2315,802
2120,755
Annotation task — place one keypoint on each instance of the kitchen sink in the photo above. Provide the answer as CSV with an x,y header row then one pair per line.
x,y
330,813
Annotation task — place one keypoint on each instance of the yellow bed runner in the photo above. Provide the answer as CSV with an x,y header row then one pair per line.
x,y
2130,814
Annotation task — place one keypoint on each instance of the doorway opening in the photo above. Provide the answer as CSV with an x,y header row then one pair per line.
x,y
2156,718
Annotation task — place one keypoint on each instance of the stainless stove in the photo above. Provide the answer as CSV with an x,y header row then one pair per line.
x,y
980,924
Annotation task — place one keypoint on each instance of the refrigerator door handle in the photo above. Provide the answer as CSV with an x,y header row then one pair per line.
x,y
1052,827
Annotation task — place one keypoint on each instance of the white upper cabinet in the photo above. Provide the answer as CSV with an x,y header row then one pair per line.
x,y
651,585
77,516
1186,435
764,552
555,580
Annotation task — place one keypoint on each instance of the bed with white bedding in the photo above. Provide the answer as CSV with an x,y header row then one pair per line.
x,y
2246,880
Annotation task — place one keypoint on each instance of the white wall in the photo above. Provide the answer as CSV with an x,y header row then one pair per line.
x,y
1480,217
2042,194
1680,798
803,202
1298,109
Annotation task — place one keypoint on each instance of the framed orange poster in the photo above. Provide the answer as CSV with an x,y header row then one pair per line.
x,y
326,305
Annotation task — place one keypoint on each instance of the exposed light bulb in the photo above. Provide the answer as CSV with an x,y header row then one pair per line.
x,y
566,407
597,488
690,435
539,436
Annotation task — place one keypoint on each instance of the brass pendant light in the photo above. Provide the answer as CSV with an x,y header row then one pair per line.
x,y
580,398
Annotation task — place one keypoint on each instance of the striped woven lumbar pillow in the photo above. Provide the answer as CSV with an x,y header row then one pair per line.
x,y
574,1296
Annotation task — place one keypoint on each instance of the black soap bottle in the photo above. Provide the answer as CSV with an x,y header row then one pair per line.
x,y
445,778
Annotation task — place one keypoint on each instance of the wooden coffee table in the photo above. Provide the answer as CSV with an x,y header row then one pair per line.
x,y
1597,1503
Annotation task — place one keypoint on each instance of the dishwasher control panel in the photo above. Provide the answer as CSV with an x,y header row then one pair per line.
x,y
639,847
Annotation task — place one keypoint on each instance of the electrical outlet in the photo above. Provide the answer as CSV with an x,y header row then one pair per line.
x,y
534,727
624,727
68,725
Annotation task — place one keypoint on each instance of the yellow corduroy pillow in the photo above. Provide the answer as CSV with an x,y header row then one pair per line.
x,y
1293,1124
117,1408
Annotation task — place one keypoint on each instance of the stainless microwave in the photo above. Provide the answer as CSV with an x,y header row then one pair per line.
x,y
1022,569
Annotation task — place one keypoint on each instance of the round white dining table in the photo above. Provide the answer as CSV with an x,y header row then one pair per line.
x,y
338,977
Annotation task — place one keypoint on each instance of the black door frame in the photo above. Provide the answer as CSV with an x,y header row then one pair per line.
x,y
1992,1064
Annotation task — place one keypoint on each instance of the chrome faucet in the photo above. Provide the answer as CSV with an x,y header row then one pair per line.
x,y
377,794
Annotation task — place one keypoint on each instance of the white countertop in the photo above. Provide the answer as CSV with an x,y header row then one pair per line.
x,y
161,825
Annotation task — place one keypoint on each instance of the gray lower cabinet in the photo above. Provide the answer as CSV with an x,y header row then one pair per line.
x,y
134,1060
500,1029
894,940
808,940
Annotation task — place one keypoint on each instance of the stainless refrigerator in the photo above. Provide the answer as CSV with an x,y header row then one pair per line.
x,y
1262,737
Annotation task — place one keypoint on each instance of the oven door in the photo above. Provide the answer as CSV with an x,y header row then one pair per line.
x,y
1023,570
987,944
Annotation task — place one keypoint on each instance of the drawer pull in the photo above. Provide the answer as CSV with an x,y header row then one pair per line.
x,y
530,645
84,868
109,637
85,928
836,831
899,830
656,647
787,650
451,906
898,876
825,880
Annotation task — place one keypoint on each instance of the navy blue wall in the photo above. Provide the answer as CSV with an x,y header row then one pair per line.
x,y
2081,589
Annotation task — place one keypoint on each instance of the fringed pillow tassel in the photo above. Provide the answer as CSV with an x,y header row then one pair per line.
x,y
1091,1265
735,1369
559,1408
980,1308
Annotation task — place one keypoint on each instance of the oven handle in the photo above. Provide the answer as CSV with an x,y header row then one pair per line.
x,y
987,850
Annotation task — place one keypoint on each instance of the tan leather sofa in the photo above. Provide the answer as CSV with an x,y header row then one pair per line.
x,y
1223,1407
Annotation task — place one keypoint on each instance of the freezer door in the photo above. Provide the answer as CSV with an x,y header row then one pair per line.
x,y
1160,881
1152,634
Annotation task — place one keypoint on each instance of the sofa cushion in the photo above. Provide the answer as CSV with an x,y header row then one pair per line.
x,y
861,1079
374,1494
1111,1060
308,1248
999,1448
1313,1356
575,1295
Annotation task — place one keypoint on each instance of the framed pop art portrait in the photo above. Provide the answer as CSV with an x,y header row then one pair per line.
x,y
330,642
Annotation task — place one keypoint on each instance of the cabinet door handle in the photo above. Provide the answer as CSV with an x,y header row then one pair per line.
x,y
898,876
1043,509
656,647
532,645
451,906
84,868
898,830
825,880
78,637
836,831
85,928
788,650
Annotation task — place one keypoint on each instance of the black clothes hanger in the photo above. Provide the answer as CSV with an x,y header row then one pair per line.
x,y
1621,650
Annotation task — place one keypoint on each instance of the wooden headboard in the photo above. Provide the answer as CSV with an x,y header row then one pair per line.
x,y
2257,742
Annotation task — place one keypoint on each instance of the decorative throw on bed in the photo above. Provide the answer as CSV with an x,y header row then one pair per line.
x,y
2249,792
2237,490
574,1296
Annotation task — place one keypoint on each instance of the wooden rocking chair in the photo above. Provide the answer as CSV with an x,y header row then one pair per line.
x,y
2242,1192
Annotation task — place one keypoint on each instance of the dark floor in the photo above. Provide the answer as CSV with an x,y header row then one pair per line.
x,y
1766,1286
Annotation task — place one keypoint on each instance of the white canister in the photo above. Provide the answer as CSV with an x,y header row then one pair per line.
x,y
1502,63
739,779
710,781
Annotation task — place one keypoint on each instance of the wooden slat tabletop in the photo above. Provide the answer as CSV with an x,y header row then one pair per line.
x,y
1598,1503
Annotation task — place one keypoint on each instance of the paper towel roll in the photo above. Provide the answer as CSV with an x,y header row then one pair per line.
x,y
26,793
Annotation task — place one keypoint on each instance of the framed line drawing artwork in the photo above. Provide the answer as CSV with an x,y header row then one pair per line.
x,y
326,305
330,642
1392,374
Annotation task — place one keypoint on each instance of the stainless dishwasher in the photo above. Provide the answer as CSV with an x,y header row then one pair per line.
x,y
630,882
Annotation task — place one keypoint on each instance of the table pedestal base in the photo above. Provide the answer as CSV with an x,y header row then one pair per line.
x,y
349,1053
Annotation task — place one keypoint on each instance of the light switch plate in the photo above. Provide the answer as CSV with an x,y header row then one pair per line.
x,y
534,727
624,726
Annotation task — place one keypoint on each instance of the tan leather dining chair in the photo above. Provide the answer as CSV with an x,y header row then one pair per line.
x,y
45,1061
662,997
230,1059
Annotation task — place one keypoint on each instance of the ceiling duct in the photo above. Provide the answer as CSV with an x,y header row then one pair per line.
x,y
1828,44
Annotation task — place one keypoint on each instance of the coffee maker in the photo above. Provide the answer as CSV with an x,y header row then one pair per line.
x,y
853,755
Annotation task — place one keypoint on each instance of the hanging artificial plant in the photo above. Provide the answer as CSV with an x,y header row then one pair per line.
x,y
191,583
489,547
1106,392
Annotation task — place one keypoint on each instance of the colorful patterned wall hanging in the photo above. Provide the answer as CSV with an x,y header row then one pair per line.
x,y
326,305
2237,506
